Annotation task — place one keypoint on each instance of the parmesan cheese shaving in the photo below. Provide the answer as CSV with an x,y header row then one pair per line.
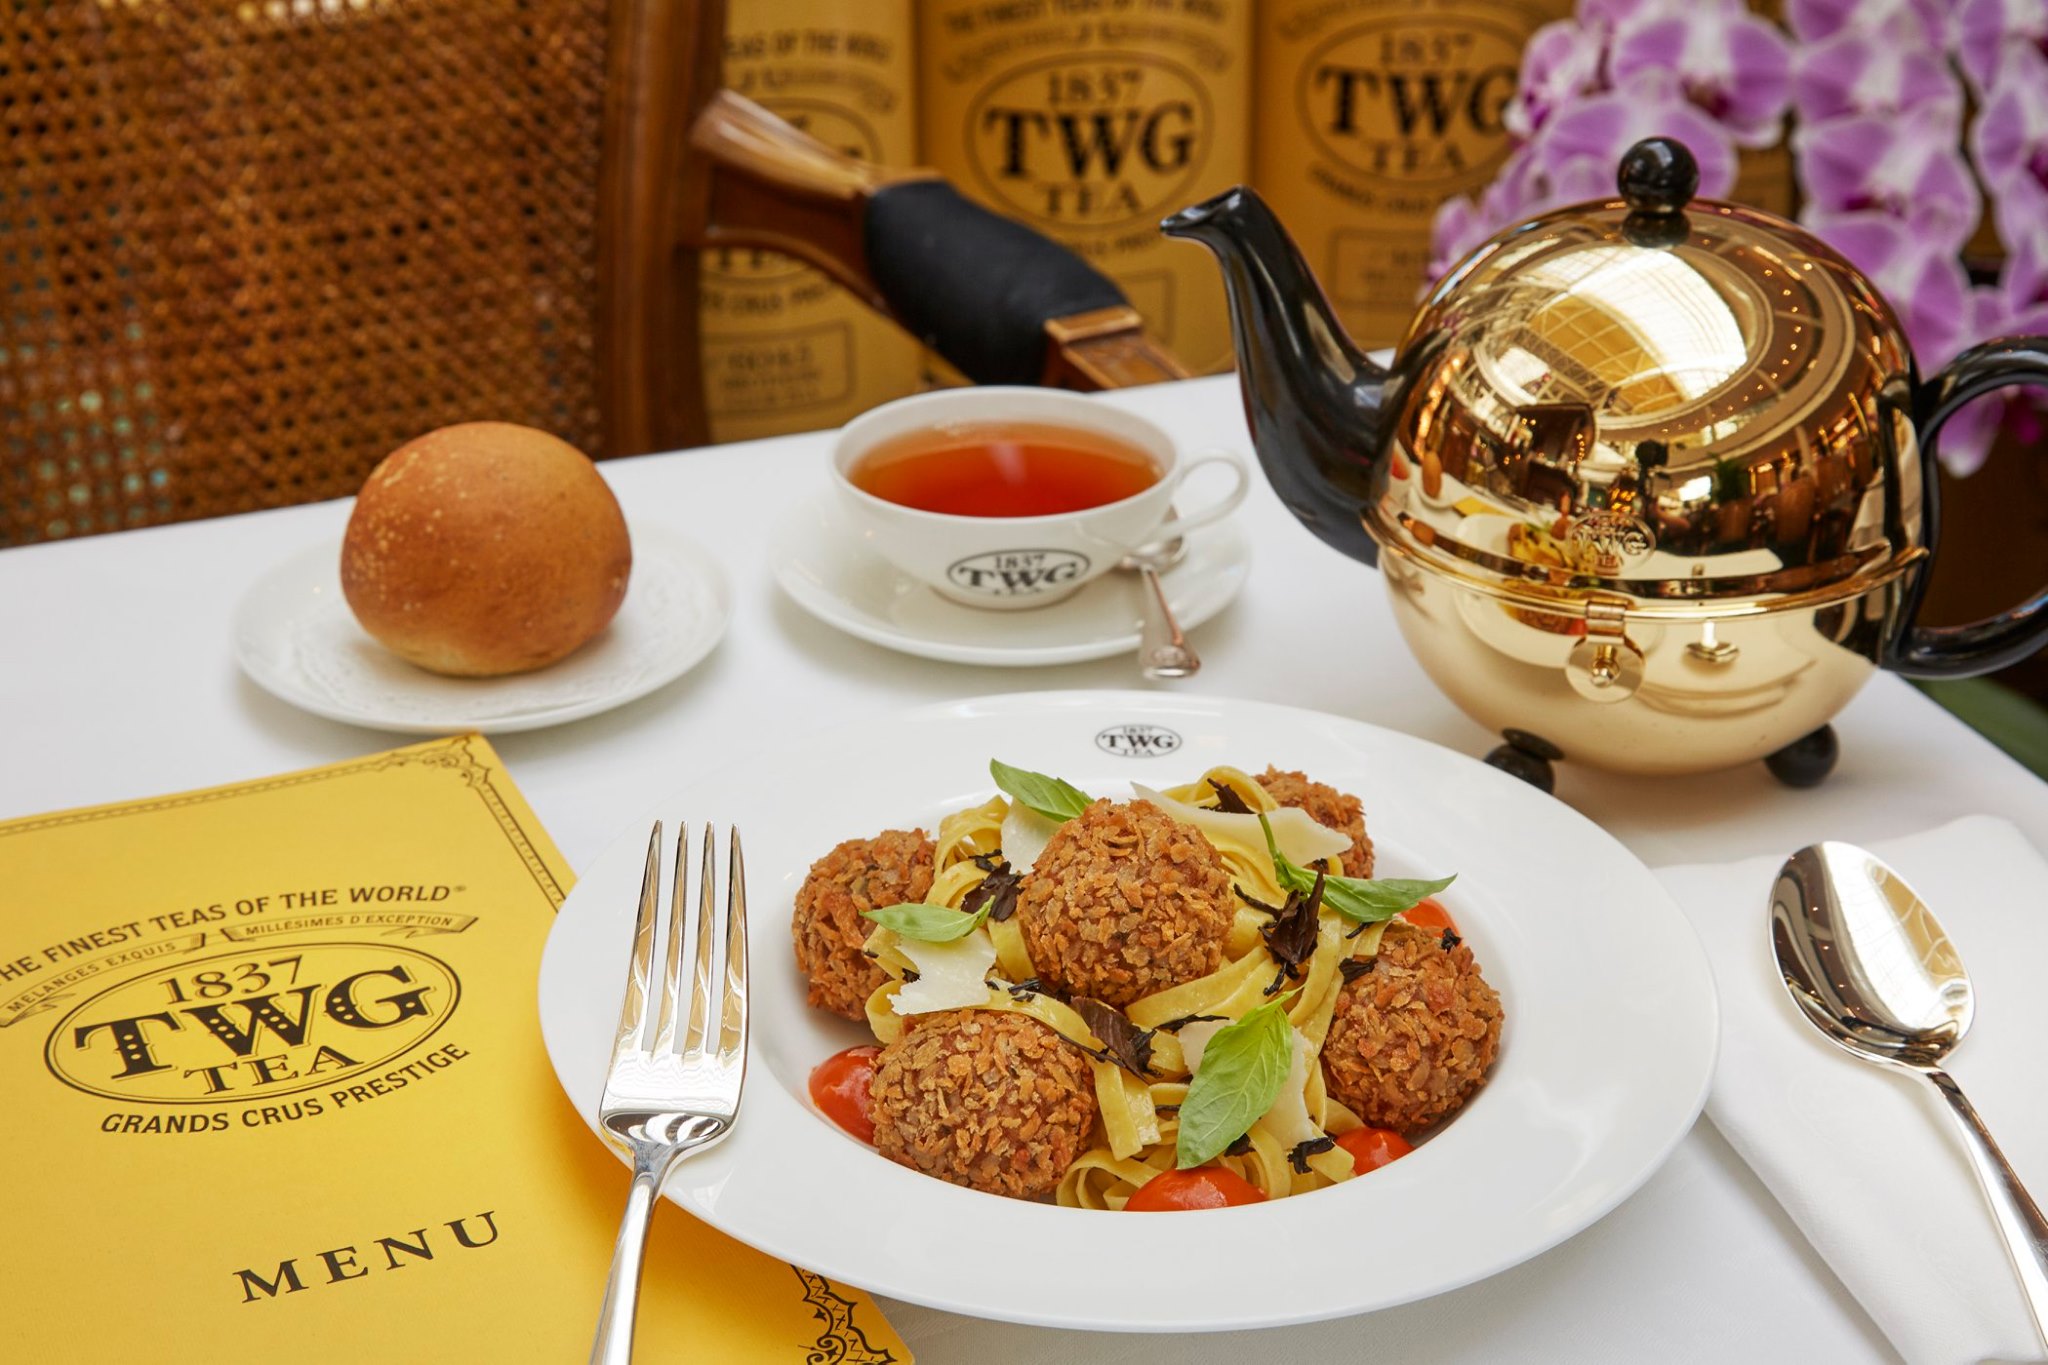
x,y
950,976
1288,1119
1194,1040
1295,832
1025,833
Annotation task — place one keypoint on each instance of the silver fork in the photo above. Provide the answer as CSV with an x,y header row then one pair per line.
x,y
660,1102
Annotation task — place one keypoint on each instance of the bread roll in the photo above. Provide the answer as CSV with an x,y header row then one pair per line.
x,y
485,548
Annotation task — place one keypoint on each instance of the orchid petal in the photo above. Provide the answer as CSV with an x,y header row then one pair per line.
x,y
1987,31
1882,69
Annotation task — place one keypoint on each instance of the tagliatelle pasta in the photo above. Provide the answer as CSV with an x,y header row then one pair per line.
x,y
1142,1080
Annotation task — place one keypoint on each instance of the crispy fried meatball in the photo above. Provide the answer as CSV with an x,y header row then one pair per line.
x,y
1326,806
861,874
1124,901
1412,1038
984,1098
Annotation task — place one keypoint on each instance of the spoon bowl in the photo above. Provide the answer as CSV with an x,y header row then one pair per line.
x,y
1870,967
1865,959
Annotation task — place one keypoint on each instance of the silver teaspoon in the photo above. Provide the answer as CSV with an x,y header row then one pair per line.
x,y
1869,966
1163,651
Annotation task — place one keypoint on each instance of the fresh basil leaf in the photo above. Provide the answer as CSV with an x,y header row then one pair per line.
x,y
1290,877
1369,902
1242,1070
1365,899
1049,796
926,923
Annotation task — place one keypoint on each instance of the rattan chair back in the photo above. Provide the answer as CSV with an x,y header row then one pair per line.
x,y
247,247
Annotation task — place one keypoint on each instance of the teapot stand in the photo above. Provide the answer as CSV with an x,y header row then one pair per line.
x,y
1805,762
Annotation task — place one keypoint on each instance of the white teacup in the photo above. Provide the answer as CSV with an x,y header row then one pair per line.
x,y
1010,563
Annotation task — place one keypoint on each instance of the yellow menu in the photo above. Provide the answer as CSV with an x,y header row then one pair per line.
x,y
275,1089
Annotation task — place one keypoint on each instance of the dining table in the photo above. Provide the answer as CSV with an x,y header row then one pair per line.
x,y
117,681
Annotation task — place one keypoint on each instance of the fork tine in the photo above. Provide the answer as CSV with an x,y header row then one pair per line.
x,y
732,1032
672,954
633,1010
700,993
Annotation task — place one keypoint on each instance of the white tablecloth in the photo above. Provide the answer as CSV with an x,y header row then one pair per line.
x,y
116,681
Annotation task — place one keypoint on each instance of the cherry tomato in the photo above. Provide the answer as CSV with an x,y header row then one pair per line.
x,y
1372,1148
839,1087
1205,1187
1430,915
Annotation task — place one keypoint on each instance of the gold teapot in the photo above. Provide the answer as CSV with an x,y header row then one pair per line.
x,y
1650,480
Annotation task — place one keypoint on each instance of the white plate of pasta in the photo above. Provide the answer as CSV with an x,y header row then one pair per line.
x,y
1187,981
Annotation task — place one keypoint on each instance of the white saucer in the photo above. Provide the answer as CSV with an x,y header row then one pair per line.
x,y
296,638
820,562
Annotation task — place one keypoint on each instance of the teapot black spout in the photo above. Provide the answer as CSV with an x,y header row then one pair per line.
x,y
1317,406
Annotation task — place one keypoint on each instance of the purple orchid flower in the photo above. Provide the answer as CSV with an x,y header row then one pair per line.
x,y
1736,67
1882,68
1922,280
2018,306
1612,16
1815,20
1562,64
1574,156
2010,143
1987,30
1908,166
1527,185
1649,104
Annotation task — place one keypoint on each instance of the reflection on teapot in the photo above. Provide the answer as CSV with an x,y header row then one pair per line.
x,y
1651,477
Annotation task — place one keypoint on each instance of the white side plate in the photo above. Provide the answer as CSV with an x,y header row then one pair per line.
x,y
296,638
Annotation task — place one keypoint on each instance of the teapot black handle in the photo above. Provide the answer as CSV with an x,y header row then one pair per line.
x,y
975,286
1981,646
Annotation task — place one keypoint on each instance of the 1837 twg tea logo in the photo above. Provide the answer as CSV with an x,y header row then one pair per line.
x,y
1018,573
1411,102
271,1020
1094,139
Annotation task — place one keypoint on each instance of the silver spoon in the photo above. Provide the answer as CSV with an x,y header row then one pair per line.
x,y
1869,966
1163,651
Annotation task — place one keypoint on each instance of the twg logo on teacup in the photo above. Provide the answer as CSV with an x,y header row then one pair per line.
x,y
1018,573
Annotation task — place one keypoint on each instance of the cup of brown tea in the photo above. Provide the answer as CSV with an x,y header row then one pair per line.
x,y
1015,497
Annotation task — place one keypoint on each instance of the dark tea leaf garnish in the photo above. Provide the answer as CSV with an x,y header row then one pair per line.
x,y
1298,1155
1025,989
1227,799
1239,1147
1291,937
1176,1025
1351,968
1449,941
1255,903
998,890
1123,1042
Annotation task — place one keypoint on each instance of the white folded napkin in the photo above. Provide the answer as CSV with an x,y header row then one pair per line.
x,y
1867,1162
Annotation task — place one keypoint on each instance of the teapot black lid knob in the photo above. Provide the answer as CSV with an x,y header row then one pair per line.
x,y
1658,176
